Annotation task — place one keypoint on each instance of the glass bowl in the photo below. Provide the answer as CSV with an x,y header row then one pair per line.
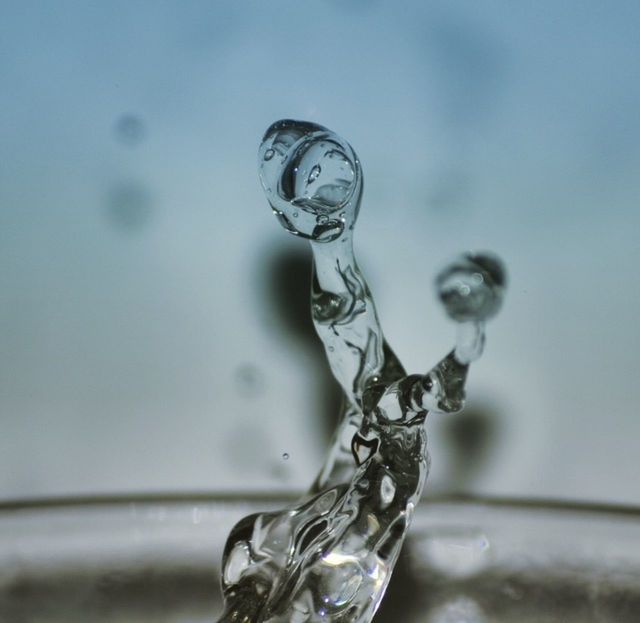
x,y
157,559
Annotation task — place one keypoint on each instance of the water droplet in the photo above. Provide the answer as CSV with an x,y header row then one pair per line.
x,y
295,215
472,287
270,153
285,456
314,173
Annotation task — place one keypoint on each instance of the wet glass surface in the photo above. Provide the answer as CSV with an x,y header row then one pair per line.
x,y
139,560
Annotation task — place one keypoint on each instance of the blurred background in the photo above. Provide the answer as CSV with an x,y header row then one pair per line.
x,y
154,322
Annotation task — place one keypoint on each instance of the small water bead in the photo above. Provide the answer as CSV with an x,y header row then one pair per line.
x,y
270,153
472,287
285,456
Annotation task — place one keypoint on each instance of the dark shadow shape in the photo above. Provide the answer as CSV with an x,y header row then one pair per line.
x,y
288,290
405,598
471,436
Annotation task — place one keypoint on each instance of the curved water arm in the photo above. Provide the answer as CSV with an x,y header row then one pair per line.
x,y
346,321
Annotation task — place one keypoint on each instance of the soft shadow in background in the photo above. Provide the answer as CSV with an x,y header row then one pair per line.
x,y
129,206
471,438
288,292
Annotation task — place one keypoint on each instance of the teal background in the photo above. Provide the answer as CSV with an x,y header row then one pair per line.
x,y
151,332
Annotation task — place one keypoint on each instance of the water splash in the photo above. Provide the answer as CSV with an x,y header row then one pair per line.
x,y
330,557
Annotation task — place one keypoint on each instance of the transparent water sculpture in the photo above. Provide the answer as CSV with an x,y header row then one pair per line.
x,y
330,556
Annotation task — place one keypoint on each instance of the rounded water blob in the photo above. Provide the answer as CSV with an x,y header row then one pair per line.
x,y
285,456
472,287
